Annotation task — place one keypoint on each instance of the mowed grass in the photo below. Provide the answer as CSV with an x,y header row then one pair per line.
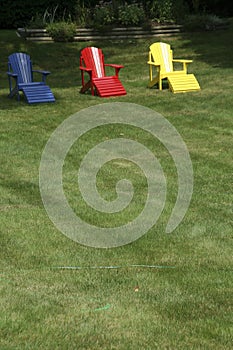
x,y
183,303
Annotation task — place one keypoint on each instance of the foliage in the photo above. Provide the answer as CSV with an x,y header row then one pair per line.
x,y
103,15
218,7
41,21
162,10
62,31
36,22
19,13
201,22
82,14
111,13
180,9
22,13
166,10
131,14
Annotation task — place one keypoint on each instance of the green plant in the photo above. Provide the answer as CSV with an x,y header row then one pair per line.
x,y
41,21
203,22
180,9
49,15
131,14
36,22
62,31
162,10
82,14
103,15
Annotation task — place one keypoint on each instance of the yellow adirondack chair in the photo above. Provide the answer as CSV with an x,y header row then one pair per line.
x,y
161,60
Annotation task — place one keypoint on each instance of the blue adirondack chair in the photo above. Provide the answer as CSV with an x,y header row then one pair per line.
x,y
20,76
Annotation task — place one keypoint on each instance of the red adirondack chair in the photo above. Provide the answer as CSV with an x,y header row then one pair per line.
x,y
92,62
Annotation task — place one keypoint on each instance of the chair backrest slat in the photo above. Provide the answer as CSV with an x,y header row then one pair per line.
x,y
92,58
162,55
20,64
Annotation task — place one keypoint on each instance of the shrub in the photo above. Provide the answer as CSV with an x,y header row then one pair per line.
x,y
162,10
103,15
131,14
201,22
82,15
62,31
111,13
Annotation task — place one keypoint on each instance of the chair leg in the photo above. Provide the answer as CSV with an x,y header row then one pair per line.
x,y
150,73
87,86
160,84
14,92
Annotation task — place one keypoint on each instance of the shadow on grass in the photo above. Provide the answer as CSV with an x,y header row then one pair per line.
x,y
62,59
23,193
214,47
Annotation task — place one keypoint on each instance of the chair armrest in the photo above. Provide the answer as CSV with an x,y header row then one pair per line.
x,y
182,61
154,64
13,75
44,72
85,69
118,66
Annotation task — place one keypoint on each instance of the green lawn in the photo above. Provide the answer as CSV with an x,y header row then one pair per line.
x,y
185,302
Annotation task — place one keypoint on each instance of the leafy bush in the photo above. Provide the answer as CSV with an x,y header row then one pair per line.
x,y
131,14
111,13
201,22
180,9
62,31
82,15
103,15
162,10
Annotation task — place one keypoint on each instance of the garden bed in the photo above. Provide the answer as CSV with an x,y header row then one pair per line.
x,y
85,34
